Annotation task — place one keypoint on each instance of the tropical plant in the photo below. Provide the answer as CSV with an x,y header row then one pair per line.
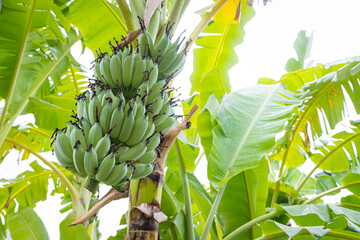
x,y
255,140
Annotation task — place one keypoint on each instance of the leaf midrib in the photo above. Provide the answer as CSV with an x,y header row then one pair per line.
x,y
17,66
5,130
250,212
218,53
337,148
114,14
247,133
27,225
310,107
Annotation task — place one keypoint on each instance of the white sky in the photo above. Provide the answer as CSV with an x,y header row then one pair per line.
x,y
268,44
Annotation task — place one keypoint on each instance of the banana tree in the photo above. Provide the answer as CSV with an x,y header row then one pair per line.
x,y
254,140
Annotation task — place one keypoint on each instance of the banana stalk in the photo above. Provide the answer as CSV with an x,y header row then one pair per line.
x,y
145,194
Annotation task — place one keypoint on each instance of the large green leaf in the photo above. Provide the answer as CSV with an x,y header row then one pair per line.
x,y
302,46
207,122
351,202
169,204
99,21
308,215
187,104
323,101
27,225
29,187
216,55
58,117
293,178
273,229
350,179
12,43
348,213
244,199
338,152
29,135
28,52
189,153
248,121
201,198
73,232
34,72
324,182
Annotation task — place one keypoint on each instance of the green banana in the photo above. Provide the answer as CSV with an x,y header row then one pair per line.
x,y
78,156
117,174
90,161
128,69
153,76
94,110
115,102
85,113
129,121
142,170
138,131
156,107
105,168
176,65
117,119
73,170
69,127
134,152
142,45
115,69
161,47
153,142
97,72
148,157
77,135
103,146
63,147
153,26
119,152
105,117
106,97
165,112
63,162
143,91
149,130
95,134
139,70
150,43
80,107
167,60
155,91
86,126
165,125
105,73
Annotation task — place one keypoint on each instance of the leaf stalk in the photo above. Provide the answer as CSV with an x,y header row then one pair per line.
x,y
187,198
202,24
72,191
237,232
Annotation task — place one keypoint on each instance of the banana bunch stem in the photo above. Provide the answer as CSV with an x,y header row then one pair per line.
x,y
145,194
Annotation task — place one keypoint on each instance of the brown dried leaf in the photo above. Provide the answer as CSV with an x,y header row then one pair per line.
x,y
152,211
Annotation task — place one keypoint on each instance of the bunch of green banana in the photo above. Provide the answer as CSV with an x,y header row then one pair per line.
x,y
126,70
121,118
165,53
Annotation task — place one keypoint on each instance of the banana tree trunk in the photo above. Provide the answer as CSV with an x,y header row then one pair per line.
x,y
145,212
